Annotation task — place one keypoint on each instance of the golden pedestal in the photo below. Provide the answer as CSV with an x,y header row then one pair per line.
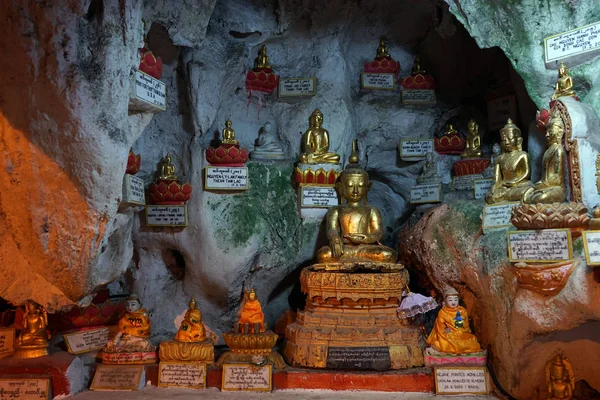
x,y
251,347
350,320
173,350
31,351
551,216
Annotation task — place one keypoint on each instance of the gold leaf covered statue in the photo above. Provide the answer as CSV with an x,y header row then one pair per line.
x,y
262,60
167,170
564,83
511,168
229,133
315,143
382,49
473,146
560,381
191,329
251,314
354,228
552,187
32,341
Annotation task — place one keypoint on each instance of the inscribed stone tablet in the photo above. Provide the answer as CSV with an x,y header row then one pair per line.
x,y
117,377
318,196
166,215
134,190
461,380
573,47
497,215
226,178
420,194
481,187
293,87
247,377
418,96
89,340
182,374
373,358
7,342
25,388
548,245
415,149
591,245
381,81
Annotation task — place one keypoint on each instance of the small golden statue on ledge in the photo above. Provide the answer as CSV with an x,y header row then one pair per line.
x,y
473,147
382,49
229,133
167,170
315,143
552,187
32,341
262,60
564,84
560,381
511,168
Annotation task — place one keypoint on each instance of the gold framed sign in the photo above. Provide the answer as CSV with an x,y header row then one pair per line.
x,y
247,377
182,374
117,377
25,388
7,342
546,245
89,340
497,215
461,380
591,247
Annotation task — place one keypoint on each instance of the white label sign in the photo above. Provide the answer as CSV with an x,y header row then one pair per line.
x,y
382,81
291,87
117,377
415,149
150,90
500,110
464,182
226,178
247,377
481,187
418,96
182,374
24,388
166,215
425,194
318,197
497,216
7,342
549,245
134,190
461,380
591,244
89,340
573,43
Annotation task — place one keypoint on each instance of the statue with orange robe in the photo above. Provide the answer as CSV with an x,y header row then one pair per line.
x,y
251,313
451,333
134,329
191,328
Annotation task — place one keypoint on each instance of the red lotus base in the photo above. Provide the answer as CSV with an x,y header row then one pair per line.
x,y
227,155
470,166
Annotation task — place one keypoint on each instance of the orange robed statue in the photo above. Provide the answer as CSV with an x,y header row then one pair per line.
x,y
191,329
451,333
251,313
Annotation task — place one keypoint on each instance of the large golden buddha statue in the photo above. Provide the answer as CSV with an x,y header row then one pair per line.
x,y
511,168
473,146
191,328
552,187
251,314
564,83
354,228
33,338
315,143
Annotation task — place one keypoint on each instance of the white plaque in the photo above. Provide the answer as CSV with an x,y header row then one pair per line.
x,y
226,178
182,374
247,377
7,342
418,96
89,340
591,245
497,215
465,182
292,87
481,187
425,193
175,215
134,190
500,109
378,81
25,388
117,377
149,94
547,245
461,380
415,149
318,196
578,45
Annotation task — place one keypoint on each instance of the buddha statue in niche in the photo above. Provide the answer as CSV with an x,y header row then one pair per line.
x,y
315,142
191,328
354,228
564,83
251,314
551,188
511,168
473,145
32,340
560,381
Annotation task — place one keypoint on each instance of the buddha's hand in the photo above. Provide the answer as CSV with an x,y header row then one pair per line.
x,y
356,238
337,247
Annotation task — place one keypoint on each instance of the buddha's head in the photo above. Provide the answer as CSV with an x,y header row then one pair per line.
x,y
132,303
31,307
192,304
167,160
354,183
263,50
563,70
316,118
252,295
228,123
555,128
267,128
557,369
473,127
496,149
510,137
450,129
451,298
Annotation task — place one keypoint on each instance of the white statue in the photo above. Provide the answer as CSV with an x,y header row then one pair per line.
x,y
266,147
489,171
429,174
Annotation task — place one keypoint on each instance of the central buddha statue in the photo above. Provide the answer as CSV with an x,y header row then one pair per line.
x,y
382,49
315,143
354,228
511,168
262,60
251,314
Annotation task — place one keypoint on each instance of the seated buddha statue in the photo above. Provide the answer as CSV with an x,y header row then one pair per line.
x,y
417,68
451,333
382,50
560,381
429,173
262,61
167,170
552,187
473,145
354,228
511,168
33,338
251,313
191,328
133,330
229,134
315,143
564,84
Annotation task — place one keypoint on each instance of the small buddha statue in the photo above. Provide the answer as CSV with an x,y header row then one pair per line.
x,y
315,143
382,50
552,187
191,328
451,333
511,168
417,68
429,173
473,146
32,340
251,314
450,130
564,84
489,171
560,381
354,228
262,61
266,147
133,330
167,170
229,134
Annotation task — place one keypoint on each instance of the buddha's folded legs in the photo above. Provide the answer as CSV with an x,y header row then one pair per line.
x,y
366,252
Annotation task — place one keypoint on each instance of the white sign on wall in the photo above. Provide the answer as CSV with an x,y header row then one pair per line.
x,y
547,245
425,193
226,178
574,46
293,87
148,94
418,96
378,81
591,245
318,196
134,190
497,215
175,215
481,187
415,149
461,380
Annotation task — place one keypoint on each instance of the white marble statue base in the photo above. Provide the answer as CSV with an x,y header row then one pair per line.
x,y
267,156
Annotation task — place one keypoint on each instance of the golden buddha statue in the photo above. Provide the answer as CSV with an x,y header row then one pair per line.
x,y
450,130
315,143
228,133
354,228
564,84
451,333
251,313
417,68
33,338
511,168
191,328
473,146
552,187
560,380
134,329
382,49
167,170
262,61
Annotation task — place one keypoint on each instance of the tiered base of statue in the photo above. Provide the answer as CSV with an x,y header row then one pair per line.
x,y
173,350
32,350
350,320
256,348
